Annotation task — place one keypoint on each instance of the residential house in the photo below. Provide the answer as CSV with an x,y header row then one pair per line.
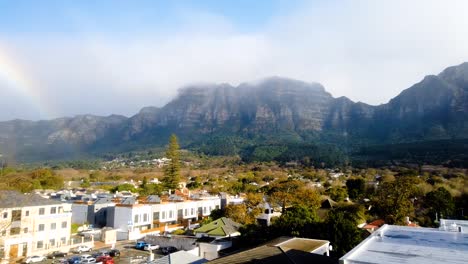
x,y
283,250
222,227
92,212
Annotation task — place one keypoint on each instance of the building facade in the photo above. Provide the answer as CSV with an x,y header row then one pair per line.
x,y
32,225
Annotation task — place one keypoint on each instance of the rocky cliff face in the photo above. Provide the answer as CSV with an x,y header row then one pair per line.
x,y
435,108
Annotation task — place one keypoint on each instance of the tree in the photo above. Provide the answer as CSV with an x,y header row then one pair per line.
x,y
283,193
393,199
150,189
440,201
172,170
343,232
356,187
295,220
337,193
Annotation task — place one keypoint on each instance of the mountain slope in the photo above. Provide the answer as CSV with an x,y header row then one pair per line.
x,y
272,111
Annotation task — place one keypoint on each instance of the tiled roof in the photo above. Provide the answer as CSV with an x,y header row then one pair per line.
x,y
12,199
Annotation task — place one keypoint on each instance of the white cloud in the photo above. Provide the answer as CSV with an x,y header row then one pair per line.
x,y
366,50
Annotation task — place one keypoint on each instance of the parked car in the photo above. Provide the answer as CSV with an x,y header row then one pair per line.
x,y
56,254
88,260
105,260
86,256
140,245
114,253
82,248
150,247
34,259
168,250
74,260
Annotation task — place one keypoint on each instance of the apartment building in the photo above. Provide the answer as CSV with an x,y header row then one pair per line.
x,y
152,215
32,225
130,220
92,212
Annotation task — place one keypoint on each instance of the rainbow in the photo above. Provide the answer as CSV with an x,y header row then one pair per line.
x,y
16,78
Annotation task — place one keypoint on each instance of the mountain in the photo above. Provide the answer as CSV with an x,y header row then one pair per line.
x,y
223,119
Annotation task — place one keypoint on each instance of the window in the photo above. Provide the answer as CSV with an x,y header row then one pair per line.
x,y
204,210
217,207
64,224
25,230
26,213
136,219
171,214
63,240
53,226
52,242
5,215
15,231
163,216
156,216
41,227
41,211
16,215
4,233
192,211
40,244
53,210
60,209
185,212
145,217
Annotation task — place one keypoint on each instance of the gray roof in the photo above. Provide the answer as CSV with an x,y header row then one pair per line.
x,y
401,244
128,200
13,199
153,199
106,200
180,257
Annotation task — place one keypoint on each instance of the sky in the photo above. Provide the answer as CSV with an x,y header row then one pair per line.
x,y
65,58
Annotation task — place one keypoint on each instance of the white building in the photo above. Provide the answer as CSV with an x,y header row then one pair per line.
x,y
32,225
402,244
131,219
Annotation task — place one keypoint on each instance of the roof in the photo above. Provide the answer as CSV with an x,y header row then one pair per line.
x,y
180,257
374,224
281,250
454,225
402,244
12,199
219,227
302,244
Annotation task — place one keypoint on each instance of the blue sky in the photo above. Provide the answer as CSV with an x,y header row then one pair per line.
x,y
64,58
23,16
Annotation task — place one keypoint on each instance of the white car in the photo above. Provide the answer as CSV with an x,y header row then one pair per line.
x,y
86,256
150,247
34,259
89,260
83,248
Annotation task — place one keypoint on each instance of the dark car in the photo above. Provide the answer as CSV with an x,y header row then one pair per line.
x,y
74,260
168,250
56,254
114,253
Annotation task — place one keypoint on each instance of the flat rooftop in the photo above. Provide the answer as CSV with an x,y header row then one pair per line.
x,y
401,244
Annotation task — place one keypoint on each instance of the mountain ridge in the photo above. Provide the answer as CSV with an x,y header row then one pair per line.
x,y
270,109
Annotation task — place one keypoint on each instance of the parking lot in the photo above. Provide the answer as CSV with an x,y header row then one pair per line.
x,y
128,254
